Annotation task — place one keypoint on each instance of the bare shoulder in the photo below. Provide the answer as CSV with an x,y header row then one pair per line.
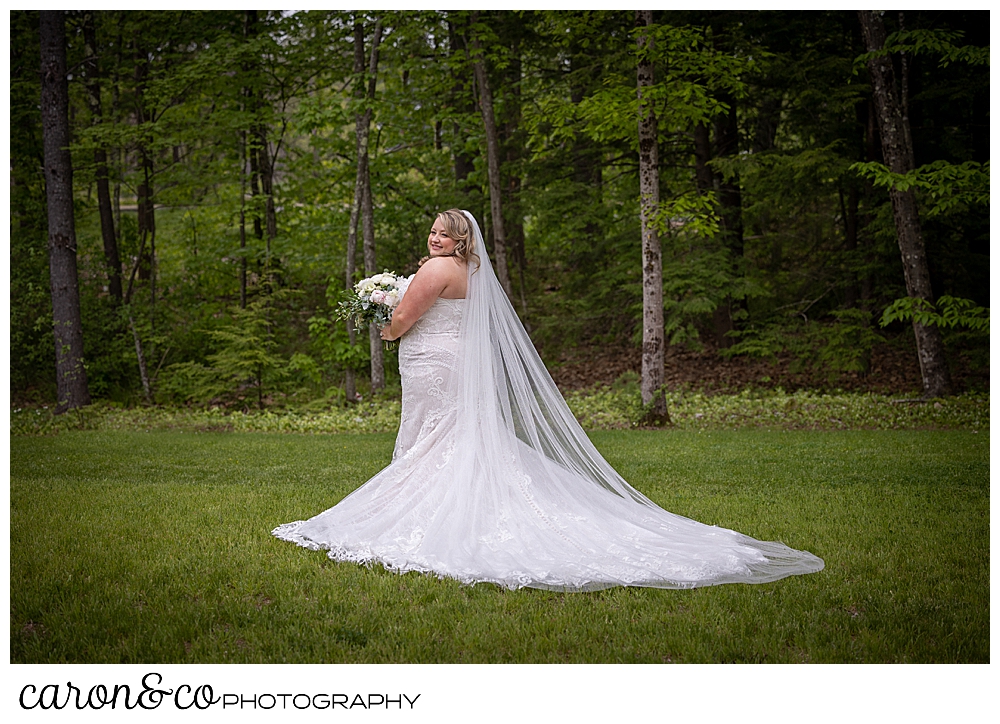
x,y
445,268
443,264
446,275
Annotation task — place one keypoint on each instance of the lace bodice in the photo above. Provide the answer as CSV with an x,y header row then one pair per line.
x,y
428,370
443,318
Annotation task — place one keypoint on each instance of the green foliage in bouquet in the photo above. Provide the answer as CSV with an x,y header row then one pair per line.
x,y
372,300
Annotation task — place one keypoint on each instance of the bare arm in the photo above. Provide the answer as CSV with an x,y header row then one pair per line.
x,y
439,276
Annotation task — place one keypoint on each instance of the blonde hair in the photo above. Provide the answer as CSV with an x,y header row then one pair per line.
x,y
457,225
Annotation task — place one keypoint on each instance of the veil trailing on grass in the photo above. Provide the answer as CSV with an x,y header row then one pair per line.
x,y
516,437
493,479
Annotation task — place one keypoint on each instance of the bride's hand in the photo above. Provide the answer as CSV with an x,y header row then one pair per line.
x,y
385,333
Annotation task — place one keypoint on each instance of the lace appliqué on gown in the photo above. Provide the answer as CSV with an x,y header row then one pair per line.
x,y
528,524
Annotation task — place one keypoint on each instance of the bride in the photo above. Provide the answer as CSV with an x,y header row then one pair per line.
x,y
493,480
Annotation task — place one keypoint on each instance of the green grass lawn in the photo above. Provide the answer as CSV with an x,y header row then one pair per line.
x,y
133,547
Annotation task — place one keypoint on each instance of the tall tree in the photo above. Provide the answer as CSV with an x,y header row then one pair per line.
x,y
362,205
247,104
350,384
367,205
71,377
897,150
462,100
514,143
651,384
492,160
108,234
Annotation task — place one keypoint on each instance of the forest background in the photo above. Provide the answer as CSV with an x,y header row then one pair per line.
x,y
233,170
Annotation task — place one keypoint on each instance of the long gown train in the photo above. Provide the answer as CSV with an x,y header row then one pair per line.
x,y
503,504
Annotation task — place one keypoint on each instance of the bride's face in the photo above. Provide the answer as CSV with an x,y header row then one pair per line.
x,y
439,243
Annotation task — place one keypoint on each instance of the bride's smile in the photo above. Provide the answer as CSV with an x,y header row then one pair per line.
x,y
439,243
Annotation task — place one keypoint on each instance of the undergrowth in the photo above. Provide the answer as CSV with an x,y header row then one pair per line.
x,y
602,407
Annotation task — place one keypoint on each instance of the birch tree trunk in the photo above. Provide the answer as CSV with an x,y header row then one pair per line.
x,y
362,204
898,154
375,344
651,383
71,377
493,164
350,384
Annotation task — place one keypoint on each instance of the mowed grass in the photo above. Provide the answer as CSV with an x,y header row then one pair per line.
x,y
137,547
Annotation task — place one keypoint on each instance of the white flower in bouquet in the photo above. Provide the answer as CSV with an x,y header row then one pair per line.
x,y
373,299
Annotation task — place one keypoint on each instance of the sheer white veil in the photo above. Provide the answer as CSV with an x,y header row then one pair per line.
x,y
500,483
513,424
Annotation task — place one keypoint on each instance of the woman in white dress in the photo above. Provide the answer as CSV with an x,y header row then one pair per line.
x,y
492,478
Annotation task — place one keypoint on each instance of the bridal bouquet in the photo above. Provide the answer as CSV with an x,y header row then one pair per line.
x,y
373,299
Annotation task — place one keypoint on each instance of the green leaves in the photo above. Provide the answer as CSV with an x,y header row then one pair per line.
x,y
949,312
329,338
841,345
947,186
245,358
931,41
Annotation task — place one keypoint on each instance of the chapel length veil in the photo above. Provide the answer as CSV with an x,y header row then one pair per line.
x,y
517,438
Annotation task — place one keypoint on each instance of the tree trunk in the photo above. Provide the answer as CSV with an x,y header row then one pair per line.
x,y
651,384
363,203
254,152
350,384
143,370
266,164
147,226
116,192
144,193
462,100
247,154
71,377
111,258
493,165
261,166
514,224
146,213
898,155
140,357
375,345
243,219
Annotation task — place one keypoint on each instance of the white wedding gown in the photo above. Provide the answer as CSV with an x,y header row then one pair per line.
x,y
509,502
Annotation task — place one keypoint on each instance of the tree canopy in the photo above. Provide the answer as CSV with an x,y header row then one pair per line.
x,y
215,159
